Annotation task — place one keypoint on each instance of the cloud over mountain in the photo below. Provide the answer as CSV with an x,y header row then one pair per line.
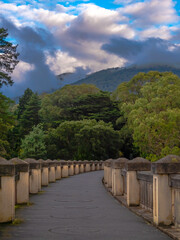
x,y
55,38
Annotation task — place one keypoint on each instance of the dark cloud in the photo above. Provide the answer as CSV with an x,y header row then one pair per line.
x,y
32,44
150,51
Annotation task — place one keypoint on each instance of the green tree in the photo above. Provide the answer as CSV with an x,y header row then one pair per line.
x,y
23,101
54,107
30,116
84,139
6,123
33,145
8,58
154,118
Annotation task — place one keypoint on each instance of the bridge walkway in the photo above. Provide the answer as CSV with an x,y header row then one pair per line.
x,y
78,208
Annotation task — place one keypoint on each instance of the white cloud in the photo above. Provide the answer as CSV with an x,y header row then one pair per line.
x,y
21,70
63,63
151,12
163,32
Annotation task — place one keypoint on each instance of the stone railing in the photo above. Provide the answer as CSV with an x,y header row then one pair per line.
x,y
152,186
20,178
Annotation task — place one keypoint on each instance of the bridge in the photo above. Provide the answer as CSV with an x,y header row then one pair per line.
x,y
75,207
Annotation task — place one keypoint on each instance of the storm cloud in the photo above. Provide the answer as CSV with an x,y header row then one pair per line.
x,y
149,51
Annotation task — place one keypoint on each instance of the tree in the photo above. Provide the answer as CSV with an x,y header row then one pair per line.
x,y
154,118
8,58
33,145
85,139
30,116
23,101
6,123
54,106
96,106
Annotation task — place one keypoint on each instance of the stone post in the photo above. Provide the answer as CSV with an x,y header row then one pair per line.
x,y
97,165
21,180
76,167
34,167
133,186
162,193
109,172
105,171
52,171
71,168
81,168
7,191
39,176
64,169
44,172
117,178
93,168
57,169
87,166
102,166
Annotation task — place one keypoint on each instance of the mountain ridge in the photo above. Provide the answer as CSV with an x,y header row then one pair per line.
x,y
109,79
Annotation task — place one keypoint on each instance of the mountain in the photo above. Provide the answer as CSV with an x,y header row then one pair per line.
x,y
109,79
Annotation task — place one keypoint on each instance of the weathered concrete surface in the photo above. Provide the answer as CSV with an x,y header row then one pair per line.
x,y
79,208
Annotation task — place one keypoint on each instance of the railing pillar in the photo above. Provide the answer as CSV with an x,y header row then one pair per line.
x,y
44,172
7,191
34,167
117,178
71,168
64,169
76,167
21,180
81,168
162,194
87,166
57,169
52,171
133,186
109,172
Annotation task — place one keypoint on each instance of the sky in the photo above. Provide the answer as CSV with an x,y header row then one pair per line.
x,y
82,37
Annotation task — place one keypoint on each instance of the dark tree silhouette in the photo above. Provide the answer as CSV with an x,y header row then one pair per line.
x,y
8,58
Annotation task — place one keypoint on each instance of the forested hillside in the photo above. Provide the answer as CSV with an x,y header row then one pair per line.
x,y
140,118
109,79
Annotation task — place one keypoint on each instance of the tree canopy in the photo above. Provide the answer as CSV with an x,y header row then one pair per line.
x,y
8,58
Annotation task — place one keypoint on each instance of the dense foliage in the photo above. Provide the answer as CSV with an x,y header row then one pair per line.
x,y
8,58
33,145
151,108
85,139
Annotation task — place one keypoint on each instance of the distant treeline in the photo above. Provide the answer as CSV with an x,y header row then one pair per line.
x,y
141,117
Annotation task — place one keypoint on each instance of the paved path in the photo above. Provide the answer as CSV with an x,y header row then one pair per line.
x,y
79,208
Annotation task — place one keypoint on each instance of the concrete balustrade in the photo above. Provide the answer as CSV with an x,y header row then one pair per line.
x,y
64,169
28,176
93,168
155,187
81,166
52,171
117,178
133,186
70,168
7,191
21,180
57,169
109,172
162,189
34,167
97,165
87,166
76,167
44,172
